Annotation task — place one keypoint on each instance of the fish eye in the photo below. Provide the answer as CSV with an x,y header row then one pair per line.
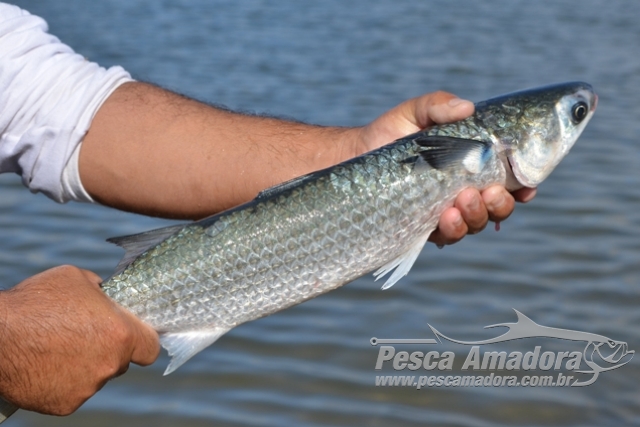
x,y
611,343
579,111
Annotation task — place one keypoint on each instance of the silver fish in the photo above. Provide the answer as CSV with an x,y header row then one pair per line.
x,y
300,239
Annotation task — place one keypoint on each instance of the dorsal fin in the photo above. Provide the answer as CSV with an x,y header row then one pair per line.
x,y
442,152
137,244
278,188
209,222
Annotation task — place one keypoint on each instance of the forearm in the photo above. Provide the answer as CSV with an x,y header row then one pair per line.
x,y
155,152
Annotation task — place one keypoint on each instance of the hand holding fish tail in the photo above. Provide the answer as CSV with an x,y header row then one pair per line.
x,y
59,316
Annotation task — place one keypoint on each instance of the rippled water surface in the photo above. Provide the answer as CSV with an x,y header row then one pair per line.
x,y
569,259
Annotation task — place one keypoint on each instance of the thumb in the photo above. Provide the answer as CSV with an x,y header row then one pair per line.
x,y
146,345
410,117
438,107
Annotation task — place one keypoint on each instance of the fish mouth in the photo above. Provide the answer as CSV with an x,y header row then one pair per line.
x,y
513,181
510,165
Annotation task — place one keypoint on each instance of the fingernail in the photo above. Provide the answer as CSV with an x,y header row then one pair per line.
x,y
455,101
458,221
530,196
497,202
474,204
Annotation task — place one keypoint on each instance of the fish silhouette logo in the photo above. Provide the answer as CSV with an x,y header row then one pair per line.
x,y
610,352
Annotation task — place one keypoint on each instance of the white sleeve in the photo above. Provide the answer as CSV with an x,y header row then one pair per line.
x,y
48,97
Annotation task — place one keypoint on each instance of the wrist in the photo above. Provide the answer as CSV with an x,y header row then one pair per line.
x,y
358,142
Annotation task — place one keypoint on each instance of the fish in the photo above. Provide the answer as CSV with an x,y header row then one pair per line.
x,y
194,282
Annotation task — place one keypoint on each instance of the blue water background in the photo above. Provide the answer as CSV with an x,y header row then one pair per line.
x,y
569,259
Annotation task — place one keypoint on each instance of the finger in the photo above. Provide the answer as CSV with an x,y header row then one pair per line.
x,y
474,212
525,194
124,367
146,346
440,107
451,228
499,202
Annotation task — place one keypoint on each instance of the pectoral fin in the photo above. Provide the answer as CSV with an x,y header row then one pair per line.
x,y
442,152
182,346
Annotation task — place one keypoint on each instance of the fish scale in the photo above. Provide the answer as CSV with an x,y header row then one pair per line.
x,y
333,230
295,241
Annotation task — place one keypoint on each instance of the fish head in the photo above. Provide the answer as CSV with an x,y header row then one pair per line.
x,y
536,128
613,351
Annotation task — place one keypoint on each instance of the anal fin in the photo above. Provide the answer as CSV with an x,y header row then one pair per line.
x,y
402,264
182,346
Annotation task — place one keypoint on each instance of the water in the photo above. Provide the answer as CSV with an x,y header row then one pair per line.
x,y
568,259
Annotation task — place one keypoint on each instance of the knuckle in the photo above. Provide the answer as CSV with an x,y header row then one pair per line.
x,y
439,94
477,229
108,371
111,371
67,269
116,370
122,335
64,408
437,98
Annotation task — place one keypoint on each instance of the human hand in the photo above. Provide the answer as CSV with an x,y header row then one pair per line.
x,y
63,339
472,209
